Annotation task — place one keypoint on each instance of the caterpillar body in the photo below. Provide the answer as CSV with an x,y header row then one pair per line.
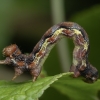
x,y
35,60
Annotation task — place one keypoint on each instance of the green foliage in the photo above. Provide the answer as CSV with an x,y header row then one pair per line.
x,y
74,88
26,90
77,89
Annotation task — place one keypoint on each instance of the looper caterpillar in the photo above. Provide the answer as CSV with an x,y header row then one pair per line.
x,y
34,61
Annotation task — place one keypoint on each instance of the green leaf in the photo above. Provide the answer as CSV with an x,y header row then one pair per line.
x,y
69,87
26,90
77,89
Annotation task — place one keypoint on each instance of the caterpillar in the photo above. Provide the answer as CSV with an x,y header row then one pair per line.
x,y
35,60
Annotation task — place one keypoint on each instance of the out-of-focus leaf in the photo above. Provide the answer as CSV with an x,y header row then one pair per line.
x,y
77,89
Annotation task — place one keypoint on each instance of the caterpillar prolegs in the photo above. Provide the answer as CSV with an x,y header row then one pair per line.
x,y
35,60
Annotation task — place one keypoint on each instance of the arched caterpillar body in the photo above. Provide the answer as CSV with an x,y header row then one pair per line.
x,y
34,61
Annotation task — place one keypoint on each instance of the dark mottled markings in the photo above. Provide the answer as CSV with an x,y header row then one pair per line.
x,y
22,62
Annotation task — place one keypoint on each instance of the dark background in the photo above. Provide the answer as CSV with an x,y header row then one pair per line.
x,y
24,22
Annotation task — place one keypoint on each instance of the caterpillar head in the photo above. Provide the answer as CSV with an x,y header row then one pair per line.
x,y
90,73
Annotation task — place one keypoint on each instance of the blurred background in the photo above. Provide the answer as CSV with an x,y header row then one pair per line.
x,y
23,22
